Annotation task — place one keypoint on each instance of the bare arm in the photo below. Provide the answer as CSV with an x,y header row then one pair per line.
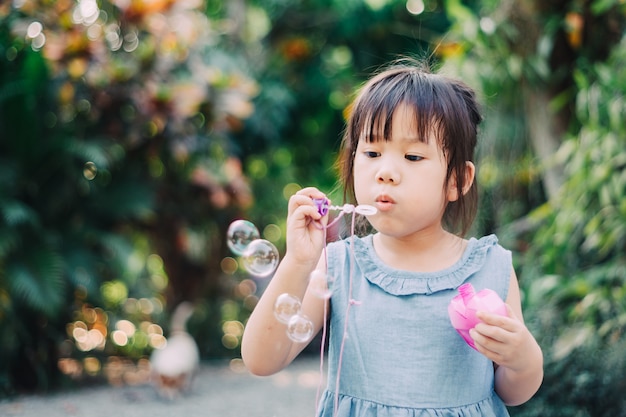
x,y
514,350
265,347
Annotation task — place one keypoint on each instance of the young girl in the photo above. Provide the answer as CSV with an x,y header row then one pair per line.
x,y
407,150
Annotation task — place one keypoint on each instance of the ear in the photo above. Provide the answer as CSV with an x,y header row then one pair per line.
x,y
470,172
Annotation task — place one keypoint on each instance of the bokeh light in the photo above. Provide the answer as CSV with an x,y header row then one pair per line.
x,y
290,189
90,170
272,232
127,327
229,265
245,288
233,331
119,337
415,7
92,365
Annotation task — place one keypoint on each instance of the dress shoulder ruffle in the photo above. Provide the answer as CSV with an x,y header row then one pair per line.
x,y
400,282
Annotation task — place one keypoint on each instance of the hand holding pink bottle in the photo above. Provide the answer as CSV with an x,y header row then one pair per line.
x,y
462,309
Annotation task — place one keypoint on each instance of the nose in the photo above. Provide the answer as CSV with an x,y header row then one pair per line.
x,y
387,172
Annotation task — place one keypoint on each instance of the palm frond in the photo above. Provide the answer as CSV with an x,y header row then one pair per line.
x,y
36,278
9,240
15,213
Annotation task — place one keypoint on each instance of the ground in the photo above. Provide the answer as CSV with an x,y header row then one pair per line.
x,y
218,391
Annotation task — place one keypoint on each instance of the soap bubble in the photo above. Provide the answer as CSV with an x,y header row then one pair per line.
x,y
239,235
318,284
300,329
286,307
260,257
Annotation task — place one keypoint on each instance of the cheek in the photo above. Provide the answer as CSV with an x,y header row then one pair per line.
x,y
358,170
361,182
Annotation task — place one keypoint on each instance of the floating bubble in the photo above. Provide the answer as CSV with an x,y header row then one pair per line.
x,y
318,284
300,329
286,307
260,257
239,235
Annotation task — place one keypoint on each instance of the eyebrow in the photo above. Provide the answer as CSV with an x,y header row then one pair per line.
x,y
377,137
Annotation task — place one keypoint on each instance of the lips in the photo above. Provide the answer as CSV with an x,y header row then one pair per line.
x,y
384,202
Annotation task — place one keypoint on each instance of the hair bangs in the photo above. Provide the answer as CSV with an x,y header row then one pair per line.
x,y
411,92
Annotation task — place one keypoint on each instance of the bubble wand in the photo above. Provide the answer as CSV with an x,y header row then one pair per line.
x,y
323,206
260,258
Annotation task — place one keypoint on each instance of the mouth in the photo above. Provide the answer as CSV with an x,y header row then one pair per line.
x,y
384,202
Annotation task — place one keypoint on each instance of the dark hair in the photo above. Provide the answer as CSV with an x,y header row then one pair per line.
x,y
445,104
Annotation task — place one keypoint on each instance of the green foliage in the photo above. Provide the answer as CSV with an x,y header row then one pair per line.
x,y
317,53
114,146
571,246
127,148
580,243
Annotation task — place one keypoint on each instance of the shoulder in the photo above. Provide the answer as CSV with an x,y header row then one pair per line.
x,y
339,252
497,265
492,248
349,242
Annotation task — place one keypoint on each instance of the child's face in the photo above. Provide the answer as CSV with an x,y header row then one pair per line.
x,y
404,178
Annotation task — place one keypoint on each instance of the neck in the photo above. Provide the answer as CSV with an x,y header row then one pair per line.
x,y
432,251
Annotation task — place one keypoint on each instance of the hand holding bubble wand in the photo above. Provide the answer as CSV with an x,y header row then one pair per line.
x,y
260,258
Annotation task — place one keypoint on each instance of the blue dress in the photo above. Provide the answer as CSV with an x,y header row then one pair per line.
x,y
401,355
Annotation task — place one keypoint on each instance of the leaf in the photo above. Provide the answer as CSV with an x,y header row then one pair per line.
x,y
602,6
37,280
15,212
9,240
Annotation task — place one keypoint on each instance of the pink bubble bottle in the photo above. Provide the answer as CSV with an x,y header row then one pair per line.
x,y
463,307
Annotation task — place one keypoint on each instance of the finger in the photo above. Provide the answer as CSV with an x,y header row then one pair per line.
x,y
493,332
492,348
301,200
311,192
310,196
302,208
485,345
509,322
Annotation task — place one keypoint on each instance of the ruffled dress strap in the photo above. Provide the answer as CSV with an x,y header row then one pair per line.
x,y
397,282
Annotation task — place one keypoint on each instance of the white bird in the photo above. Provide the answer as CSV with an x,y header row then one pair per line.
x,y
174,366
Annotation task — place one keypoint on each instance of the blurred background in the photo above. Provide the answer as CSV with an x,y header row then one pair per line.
x,y
133,132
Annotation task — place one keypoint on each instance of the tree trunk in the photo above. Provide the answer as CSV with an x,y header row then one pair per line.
x,y
546,135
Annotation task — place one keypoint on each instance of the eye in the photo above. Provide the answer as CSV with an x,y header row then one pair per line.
x,y
413,158
371,154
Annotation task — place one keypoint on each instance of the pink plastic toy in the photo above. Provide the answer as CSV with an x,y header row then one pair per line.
x,y
462,309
